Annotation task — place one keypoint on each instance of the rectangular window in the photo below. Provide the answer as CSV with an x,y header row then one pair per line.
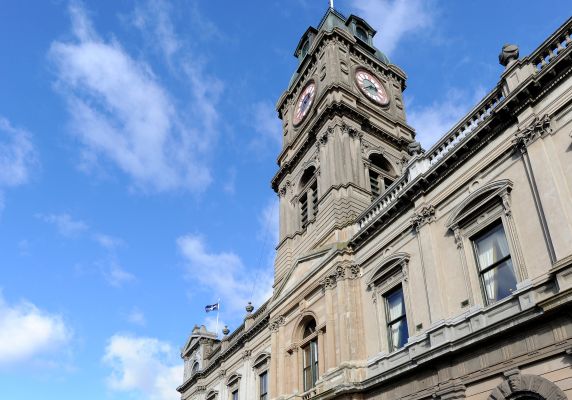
x,y
263,386
494,262
310,370
396,319
374,183
314,192
235,395
304,209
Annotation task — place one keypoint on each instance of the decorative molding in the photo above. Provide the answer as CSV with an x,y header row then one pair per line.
x,y
339,273
354,133
284,189
354,271
423,216
388,268
517,384
276,323
458,237
539,126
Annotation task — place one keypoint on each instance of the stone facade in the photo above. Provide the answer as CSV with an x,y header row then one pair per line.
x,y
389,275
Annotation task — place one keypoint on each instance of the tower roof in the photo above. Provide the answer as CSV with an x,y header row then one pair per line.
x,y
331,20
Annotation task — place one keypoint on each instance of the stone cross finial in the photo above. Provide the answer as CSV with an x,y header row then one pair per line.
x,y
509,53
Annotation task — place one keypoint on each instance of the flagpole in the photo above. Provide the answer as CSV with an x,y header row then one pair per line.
x,y
217,311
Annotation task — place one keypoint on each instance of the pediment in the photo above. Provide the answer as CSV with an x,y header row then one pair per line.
x,y
301,270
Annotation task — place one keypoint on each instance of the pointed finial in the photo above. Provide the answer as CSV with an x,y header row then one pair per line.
x,y
332,4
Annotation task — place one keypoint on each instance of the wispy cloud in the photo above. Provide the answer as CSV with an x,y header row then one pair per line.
x,y
109,267
114,273
396,19
18,157
224,276
27,332
267,127
137,317
144,366
122,115
153,19
432,121
65,224
107,241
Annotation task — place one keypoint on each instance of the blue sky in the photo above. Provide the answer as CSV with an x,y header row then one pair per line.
x,y
137,142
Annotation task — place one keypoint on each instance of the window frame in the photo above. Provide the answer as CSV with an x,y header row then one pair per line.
x,y
263,395
302,342
382,174
389,322
474,216
310,349
363,39
489,227
308,197
390,274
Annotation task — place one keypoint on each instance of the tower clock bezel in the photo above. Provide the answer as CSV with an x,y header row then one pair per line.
x,y
298,121
381,89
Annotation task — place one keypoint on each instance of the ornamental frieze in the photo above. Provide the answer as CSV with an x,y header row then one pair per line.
x,y
340,273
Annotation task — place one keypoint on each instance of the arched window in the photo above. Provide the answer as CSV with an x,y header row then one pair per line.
x,y
195,368
381,174
305,49
310,355
361,34
308,197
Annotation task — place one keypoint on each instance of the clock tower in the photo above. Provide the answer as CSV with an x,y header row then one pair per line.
x,y
345,136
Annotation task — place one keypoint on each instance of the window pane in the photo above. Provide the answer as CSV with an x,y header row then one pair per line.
x,y
360,33
398,334
263,384
491,247
395,305
499,282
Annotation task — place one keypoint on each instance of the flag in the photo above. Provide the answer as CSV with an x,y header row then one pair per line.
x,y
211,307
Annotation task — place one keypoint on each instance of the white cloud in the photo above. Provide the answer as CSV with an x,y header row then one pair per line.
x,y
65,224
268,128
431,122
121,114
145,366
270,223
224,276
395,19
27,332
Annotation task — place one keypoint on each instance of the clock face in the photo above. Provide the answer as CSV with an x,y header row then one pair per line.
x,y
304,103
371,87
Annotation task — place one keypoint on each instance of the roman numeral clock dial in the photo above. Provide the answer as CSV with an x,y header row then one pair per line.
x,y
304,103
371,87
